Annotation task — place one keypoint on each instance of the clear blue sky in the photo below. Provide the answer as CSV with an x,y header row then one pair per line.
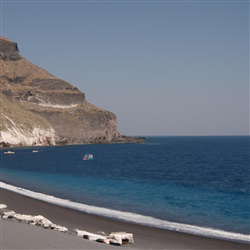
x,y
163,67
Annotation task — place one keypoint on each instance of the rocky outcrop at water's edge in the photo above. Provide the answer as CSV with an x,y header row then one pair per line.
x,y
39,109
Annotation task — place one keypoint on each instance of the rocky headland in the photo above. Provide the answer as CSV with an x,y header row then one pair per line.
x,y
39,109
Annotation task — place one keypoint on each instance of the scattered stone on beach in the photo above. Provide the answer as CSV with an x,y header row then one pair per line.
x,y
8,214
90,236
122,237
37,220
115,243
80,233
2,206
5,213
101,233
114,238
61,229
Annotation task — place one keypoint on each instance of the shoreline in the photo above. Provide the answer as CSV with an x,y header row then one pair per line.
x,y
122,139
145,237
132,218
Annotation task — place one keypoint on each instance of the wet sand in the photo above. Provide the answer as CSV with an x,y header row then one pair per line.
x,y
16,235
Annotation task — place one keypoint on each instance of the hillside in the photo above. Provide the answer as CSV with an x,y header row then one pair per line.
x,y
39,109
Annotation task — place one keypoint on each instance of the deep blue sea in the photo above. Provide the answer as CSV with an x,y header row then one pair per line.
x,y
193,184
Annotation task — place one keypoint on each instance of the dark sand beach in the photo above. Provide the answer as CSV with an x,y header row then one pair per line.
x,y
16,235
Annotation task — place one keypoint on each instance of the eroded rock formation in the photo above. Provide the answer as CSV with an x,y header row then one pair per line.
x,y
39,109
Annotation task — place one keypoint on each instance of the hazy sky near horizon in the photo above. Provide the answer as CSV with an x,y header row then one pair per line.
x,y
163,67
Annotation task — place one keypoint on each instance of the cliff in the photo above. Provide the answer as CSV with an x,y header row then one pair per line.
x,y
39,109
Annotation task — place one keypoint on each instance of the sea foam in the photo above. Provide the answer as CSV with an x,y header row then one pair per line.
x,y
131,217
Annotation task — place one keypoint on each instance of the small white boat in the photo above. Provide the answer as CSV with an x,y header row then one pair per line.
x,y
9,152
35,151
88,157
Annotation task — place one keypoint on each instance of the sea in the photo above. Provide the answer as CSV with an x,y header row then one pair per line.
x,y
193,184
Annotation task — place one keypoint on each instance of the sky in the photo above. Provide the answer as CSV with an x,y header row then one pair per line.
x,y
163,67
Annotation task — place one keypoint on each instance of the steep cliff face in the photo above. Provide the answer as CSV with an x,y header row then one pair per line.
x,y
40,109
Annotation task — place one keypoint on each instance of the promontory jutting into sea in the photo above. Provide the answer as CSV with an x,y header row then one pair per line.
x,y
40,109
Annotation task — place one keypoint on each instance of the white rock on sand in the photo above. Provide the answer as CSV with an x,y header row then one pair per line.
x,y
3,206
38,220
115,238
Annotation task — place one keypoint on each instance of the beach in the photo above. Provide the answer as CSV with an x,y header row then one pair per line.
x,y
16,235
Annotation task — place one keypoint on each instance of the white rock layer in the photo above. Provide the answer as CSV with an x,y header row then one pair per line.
x,y
16,134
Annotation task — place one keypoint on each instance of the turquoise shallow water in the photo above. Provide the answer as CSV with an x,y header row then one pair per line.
x,y
200,181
